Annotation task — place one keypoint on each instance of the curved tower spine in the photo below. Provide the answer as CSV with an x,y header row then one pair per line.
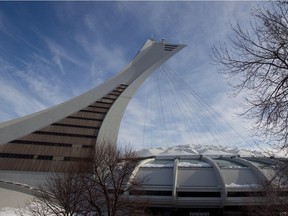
x,y
50,139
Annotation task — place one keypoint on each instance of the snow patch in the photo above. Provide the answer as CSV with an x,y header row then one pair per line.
x,y
11,212
205,150
234,185
167,165
198,164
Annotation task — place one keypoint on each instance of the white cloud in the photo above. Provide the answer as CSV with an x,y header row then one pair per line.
x,y
58,53
103,58
42,87
87,54
28,90
13,98
5,25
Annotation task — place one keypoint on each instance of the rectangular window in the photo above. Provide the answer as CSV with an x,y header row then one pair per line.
x,y
199,194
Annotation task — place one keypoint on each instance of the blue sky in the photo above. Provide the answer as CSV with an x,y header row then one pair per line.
x,y
54,51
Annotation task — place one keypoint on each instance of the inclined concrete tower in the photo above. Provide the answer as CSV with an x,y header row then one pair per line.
x,y
49,140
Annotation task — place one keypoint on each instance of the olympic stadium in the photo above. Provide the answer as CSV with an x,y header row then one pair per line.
x,y
181,180
205,180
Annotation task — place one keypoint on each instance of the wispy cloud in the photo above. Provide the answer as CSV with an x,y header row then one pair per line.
x,y
90,42
59,53
6,25
110,58
14,97
30,88
48,90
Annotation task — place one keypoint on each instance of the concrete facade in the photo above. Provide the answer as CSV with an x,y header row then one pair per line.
x,y
205,185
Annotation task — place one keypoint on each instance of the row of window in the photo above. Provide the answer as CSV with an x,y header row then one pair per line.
x,y
76,126
106,101
150,193
75,159
65,134
39,157
93,106
114,93
47,143
44,157
108,98
13,155
91,111
88,146
199,194
180,194
40,143
170,47
254,194
118,91
203,193
82,118
101,105
26,156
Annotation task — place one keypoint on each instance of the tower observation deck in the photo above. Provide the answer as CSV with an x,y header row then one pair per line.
x,y
49,140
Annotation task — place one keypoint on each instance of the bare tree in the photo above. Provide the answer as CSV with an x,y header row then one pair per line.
x,y
256,62
109,180
257,59
60,194
273,198
97,186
